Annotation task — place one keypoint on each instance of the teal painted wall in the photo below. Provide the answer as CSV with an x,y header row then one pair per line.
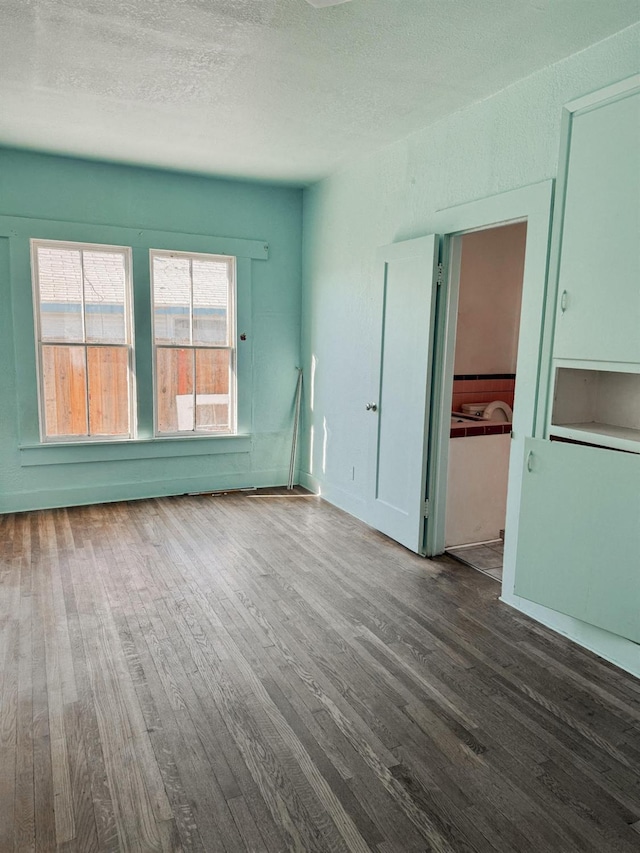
x,y
507,141
74,191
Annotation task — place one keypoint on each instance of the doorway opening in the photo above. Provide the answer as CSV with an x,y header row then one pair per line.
x,y
487,298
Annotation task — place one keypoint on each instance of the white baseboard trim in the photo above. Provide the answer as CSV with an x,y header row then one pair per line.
x,y
112,492
336,496
617,650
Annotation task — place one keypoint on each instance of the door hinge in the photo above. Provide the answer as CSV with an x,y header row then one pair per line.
x,y
440,276
425,509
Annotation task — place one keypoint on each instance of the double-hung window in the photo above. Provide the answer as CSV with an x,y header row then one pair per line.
x,y
194,341
84,340
83,298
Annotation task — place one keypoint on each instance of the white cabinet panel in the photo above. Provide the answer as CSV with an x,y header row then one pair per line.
x,y
598,315
579,534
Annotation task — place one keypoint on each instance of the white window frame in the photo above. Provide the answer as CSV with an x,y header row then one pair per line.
x,y
35,244
232,347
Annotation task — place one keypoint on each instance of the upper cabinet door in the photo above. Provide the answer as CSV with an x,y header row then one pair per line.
x,y
598,315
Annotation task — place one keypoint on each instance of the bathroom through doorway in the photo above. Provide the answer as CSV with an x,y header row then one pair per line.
x,y
488,299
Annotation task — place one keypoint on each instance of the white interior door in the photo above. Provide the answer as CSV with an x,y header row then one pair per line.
x,y
408,273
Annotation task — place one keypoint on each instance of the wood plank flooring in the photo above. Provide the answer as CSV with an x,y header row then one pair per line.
x,y
262,672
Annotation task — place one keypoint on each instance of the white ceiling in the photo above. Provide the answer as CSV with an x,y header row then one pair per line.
x,y
275,90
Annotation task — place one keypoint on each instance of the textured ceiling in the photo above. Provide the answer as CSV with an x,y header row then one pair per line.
x,y
268,89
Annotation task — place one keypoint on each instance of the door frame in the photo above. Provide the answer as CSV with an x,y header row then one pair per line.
x,y
534,204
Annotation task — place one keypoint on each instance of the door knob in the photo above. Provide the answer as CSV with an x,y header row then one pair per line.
x,y
372,407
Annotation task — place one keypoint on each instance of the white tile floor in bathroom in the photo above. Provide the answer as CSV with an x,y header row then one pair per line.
x,y
486,557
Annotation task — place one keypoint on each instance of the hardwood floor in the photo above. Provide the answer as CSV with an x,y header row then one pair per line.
x,y
265,673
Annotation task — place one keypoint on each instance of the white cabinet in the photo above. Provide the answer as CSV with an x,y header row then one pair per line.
x,y
579,534
595,377
578,549
598,316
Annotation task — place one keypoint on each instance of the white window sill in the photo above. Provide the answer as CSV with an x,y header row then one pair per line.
x,y
155,448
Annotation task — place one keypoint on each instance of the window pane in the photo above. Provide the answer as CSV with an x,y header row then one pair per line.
x,y
108,390
65,390
104,289
211,302
171,299
174,381
212,390
60,286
